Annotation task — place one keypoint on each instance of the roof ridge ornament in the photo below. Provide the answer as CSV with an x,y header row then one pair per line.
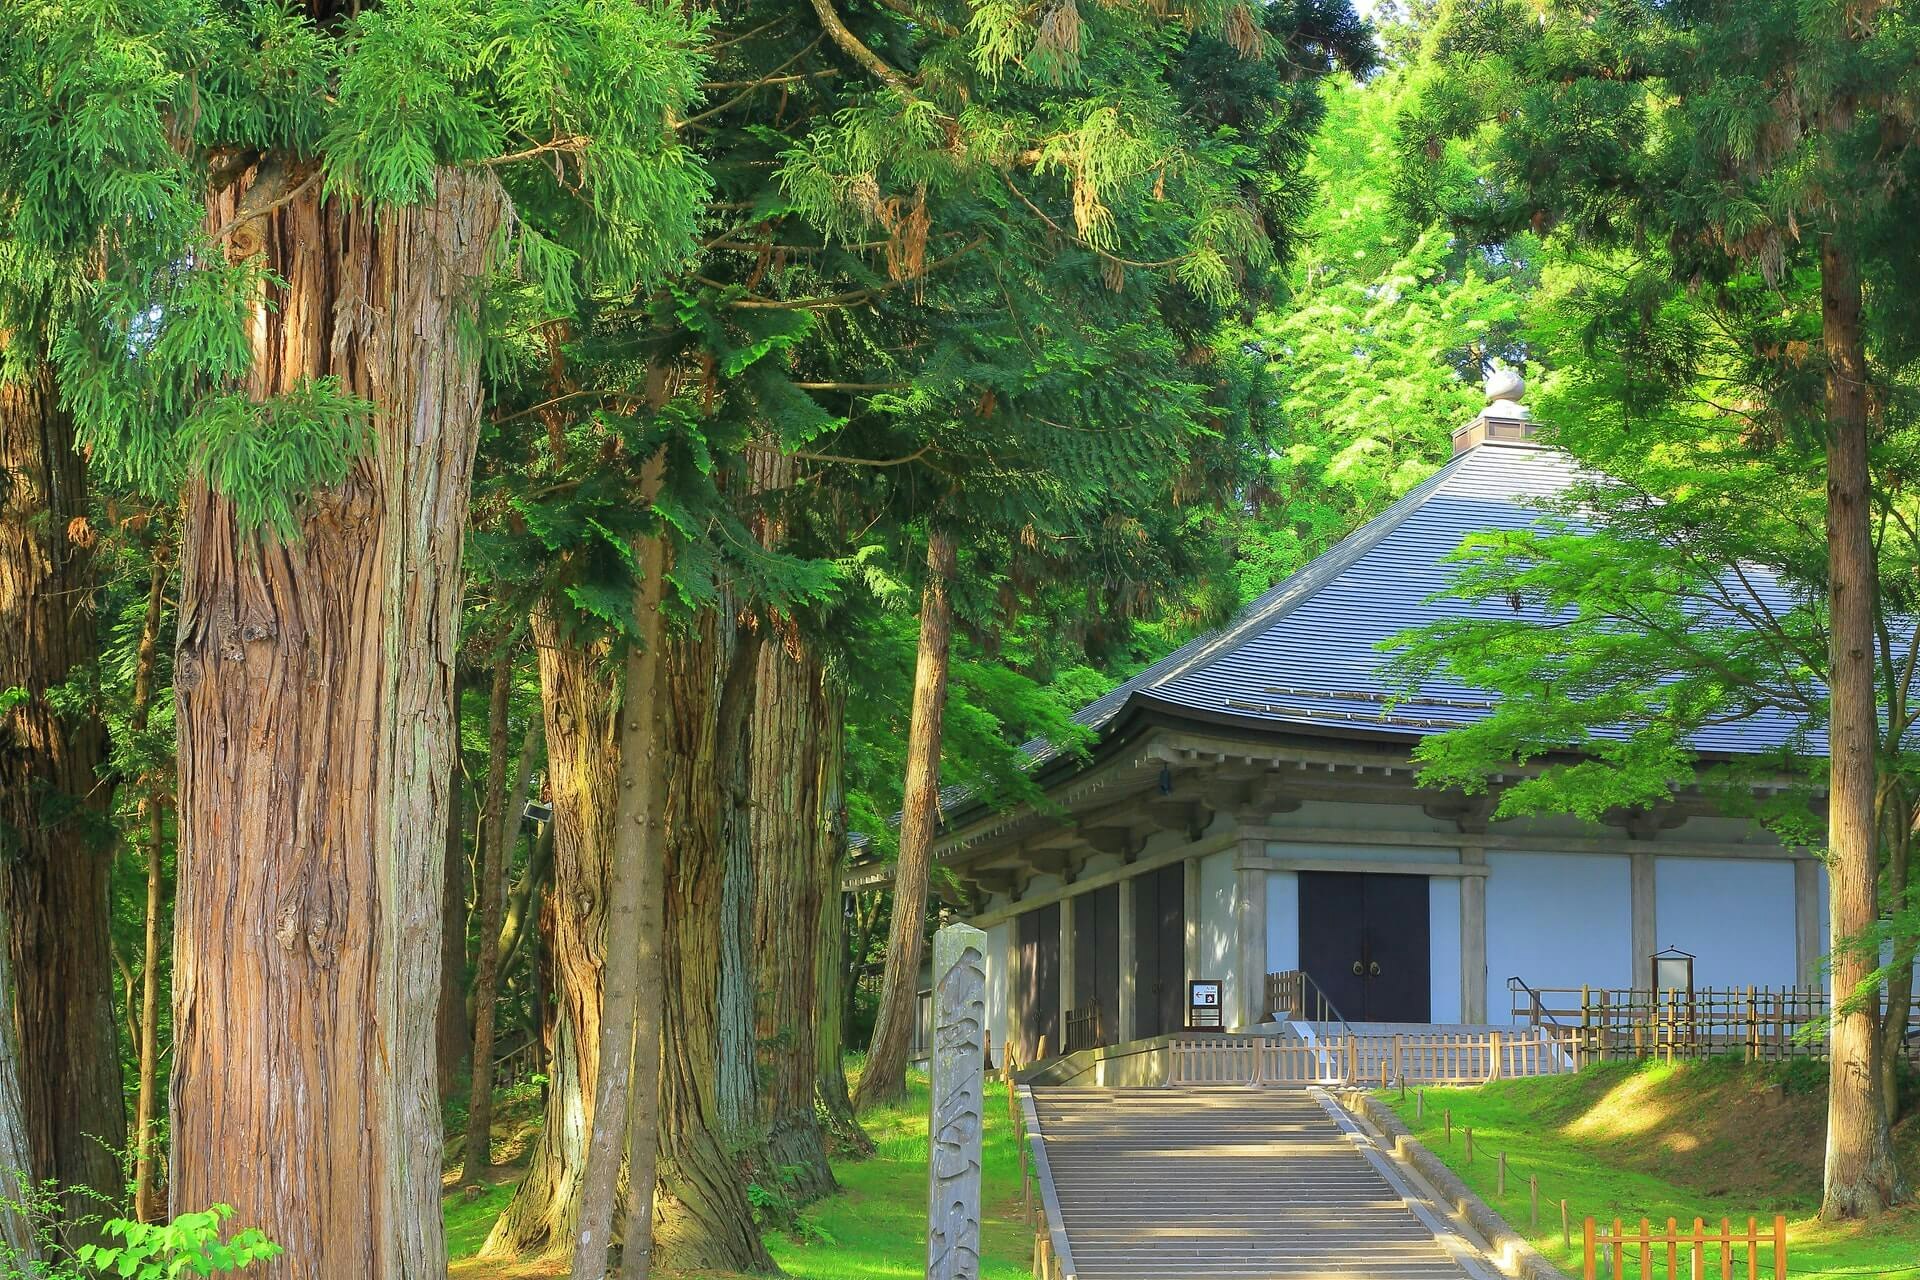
x,y
1503,419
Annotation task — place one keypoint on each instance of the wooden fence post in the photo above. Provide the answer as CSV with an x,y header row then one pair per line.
x,y
1533,1202
1493,1055
1780,1247
1586,1268
1500,1177
1469,1133
1566,1232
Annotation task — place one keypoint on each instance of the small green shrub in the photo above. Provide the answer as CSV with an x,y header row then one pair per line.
x,y
191,1243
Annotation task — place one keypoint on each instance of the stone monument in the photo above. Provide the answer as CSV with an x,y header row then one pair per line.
x,y
958,1067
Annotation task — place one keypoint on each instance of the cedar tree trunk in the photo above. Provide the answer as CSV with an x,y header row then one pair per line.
x,y
885,1076
794,866
626,1099
54,884
581,712
313,695
492,889
702,1219
830,960
1861,1176
146,1191
452,1036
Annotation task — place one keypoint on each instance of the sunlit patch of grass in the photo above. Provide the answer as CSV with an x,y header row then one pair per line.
x,y
1711,1140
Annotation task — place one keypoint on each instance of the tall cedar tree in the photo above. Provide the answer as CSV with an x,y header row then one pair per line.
x,y
931,277
1730,141
306,370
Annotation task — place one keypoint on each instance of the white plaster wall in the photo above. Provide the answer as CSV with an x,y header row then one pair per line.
x,y
1443,909
1283,921
1219,931
1734,914
1557,920
999,979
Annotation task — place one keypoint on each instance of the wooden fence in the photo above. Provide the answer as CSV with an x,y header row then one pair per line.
x,y
1295,996
1413,1058
1086,1028
1759,1023
1703,1252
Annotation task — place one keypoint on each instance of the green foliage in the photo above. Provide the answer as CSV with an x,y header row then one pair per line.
x,y
188,1245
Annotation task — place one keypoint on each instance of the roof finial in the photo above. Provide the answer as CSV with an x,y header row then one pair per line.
x,y
1505,384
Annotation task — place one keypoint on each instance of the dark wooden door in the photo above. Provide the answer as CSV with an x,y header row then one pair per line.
x,y
1160,950
1366,940
1039,980
1096,958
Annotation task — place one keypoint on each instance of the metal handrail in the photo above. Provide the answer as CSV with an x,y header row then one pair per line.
x,y
1326,1005
1539,1008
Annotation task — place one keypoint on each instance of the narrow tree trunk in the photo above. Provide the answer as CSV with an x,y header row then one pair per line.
x,y
885,1076
16,1171
1893,1034
1861,1176
576,691
522,903
626,1102
54,883
313,689
452,1035
830,961
492,889
146,1194
793,868
736,1089
702,1218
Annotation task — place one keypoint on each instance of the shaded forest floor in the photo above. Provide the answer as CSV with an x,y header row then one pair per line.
x,y
1711,1139
874,1229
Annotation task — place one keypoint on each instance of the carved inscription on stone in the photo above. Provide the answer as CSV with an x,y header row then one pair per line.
x,y
958,1065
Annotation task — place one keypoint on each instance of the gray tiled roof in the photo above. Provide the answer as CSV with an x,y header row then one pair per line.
x,y
1308,652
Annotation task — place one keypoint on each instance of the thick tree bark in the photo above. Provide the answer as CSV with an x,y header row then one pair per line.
x,y
830,961
885,1076
1861,1176
492,891
702,1218
313,693
576,690
626,1101
54,885
146,1191
794,863
453,1036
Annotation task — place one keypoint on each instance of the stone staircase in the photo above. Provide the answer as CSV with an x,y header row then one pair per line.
x,y
1180,1184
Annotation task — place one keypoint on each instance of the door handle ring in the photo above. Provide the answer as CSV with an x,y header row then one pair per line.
x,y
1359,970
1373,970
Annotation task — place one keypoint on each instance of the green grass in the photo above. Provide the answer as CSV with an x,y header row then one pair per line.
x,y
1711,1140
876,1228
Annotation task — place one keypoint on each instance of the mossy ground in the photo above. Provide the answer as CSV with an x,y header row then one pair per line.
x,y
1711,1139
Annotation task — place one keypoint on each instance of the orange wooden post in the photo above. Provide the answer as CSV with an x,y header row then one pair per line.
x,y
1698,1271
1587,1235
1753,1249
1646,1250
1673,1248
1726,1249
1619,1251
1780,1247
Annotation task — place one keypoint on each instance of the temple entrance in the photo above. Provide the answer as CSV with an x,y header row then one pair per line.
x,y
1365,939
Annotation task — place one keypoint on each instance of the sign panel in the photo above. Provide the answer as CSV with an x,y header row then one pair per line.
x,y
1204,1005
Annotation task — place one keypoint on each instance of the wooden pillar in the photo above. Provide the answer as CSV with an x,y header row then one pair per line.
x,y
1806,922
1191,911
1066,966
1125,1017
1473,937
1250,914
1645,919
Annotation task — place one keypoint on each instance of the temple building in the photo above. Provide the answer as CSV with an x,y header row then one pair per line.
x,y
1249,808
